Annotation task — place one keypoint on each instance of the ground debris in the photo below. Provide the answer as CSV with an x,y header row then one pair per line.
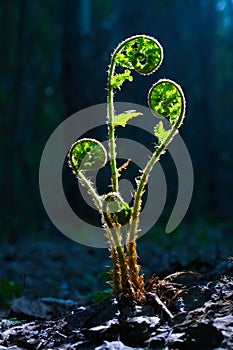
x,y
103,326
69,320
115,345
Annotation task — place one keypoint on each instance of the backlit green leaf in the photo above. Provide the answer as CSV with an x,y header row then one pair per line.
x,y
118,79
160,132
123,118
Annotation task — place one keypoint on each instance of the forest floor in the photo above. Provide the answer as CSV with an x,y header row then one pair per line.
x,y
51,295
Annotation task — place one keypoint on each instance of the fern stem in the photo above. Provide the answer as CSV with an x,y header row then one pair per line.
x,y
123,267
132,236
89,187
120,259
110,114
136,281
116,282
111,128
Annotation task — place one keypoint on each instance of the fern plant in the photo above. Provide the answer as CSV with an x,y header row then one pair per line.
x,y
144,55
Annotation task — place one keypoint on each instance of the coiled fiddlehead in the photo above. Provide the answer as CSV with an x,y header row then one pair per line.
x,y
116,211
87,155
166,99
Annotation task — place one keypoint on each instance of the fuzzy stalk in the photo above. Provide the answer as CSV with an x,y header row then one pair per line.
x,y
122,261
116,282
120,276
119,253
110,114
136,280
142,183
132,236
90,189
133,232
111,128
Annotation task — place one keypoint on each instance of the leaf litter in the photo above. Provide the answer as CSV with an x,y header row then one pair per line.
x,y
202,317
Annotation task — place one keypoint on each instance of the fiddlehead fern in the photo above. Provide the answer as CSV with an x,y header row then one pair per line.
x,y
144,55
116,211
141,53
166,100
87,155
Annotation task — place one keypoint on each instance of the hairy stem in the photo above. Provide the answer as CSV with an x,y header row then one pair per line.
x,y
110,113
116,282
136,280
120,259
142,183
123,266
111,129
89,187
133,232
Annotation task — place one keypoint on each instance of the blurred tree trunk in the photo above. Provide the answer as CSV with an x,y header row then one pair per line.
x,y
207,103
224,74
76,54
12,187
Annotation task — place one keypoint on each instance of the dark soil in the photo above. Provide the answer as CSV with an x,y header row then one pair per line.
x,y
48,291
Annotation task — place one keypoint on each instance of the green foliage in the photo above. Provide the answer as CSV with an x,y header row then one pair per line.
x,y
118,79
8,290
116,211
123,118
161,133
87,154
103,294
166,99
144,55
141,53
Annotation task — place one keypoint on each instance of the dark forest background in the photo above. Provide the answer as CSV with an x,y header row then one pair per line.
x,y
54,56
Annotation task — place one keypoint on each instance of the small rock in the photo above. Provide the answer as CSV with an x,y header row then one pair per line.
x,y
28,308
